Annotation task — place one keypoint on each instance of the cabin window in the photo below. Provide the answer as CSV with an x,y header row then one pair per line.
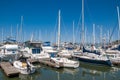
x,y
35,51
38,50
12,50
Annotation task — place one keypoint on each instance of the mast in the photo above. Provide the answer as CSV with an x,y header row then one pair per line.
x,y
11,32
20,35
39,34
82,22
73,34
17,33
101,35
2,35
108,36
56,38
59,30
31,39
85,36
118,20
94,34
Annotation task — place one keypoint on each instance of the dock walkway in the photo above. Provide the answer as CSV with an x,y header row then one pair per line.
x,y
47,62
8,69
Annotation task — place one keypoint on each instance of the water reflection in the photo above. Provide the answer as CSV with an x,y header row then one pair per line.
x,y
96,72
34,76
84,72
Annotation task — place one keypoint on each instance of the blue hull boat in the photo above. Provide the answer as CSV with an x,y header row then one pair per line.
x,y
94,61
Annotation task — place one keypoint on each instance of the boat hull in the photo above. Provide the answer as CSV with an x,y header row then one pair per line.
x,y
23,68
64,62
93,61
68,65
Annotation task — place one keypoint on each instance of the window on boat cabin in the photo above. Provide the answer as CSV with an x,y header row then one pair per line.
x,y
11,49
110,56
36,51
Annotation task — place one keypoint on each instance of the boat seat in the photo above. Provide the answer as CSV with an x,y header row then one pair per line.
x,y
24,64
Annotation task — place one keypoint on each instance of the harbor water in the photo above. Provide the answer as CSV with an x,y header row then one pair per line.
x,y
84,72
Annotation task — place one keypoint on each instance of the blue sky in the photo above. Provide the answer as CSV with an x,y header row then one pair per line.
x,y
40,17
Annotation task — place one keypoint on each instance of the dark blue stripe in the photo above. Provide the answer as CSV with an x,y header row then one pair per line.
x,y
107,62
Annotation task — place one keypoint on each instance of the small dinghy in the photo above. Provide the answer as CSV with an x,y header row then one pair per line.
x,y
24,66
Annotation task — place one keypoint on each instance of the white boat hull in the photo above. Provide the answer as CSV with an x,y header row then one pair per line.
x,y
23,68
64,62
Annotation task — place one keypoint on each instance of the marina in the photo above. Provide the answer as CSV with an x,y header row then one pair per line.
x,y
59,40
84,72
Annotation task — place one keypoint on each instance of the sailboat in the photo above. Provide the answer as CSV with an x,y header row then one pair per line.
x,y
89,56
63,62
114,52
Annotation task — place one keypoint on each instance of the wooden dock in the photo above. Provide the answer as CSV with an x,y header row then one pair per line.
x,y
36,60
116,63
49,63
46,62
33,61
8,69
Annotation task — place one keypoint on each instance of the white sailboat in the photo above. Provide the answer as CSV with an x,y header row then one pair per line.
x,y
64,62
88,55
114,52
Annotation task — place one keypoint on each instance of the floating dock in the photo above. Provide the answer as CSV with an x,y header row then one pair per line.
x,y
8,69
46,62
49,63
116,63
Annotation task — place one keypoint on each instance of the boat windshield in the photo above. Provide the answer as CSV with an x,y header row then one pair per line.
x,y
36,51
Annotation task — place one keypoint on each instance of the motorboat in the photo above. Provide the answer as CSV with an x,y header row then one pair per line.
x,y
34,50
24,66
65,62
35,53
